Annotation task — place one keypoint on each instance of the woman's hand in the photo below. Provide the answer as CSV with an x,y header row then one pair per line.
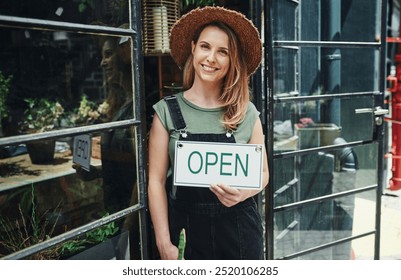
x,y
168,252
84,175
230,196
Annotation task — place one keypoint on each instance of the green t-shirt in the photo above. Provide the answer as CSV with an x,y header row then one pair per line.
x,y
202,120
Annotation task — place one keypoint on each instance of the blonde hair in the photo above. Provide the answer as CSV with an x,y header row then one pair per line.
x,y
235,92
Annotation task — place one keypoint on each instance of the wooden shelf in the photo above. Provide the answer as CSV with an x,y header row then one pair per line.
x,y
23,172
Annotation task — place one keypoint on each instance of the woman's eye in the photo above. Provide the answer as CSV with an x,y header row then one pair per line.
x,y
224,52
108,53
204,46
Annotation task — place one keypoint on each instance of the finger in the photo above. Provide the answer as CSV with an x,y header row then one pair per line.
x,y
228,189
225,198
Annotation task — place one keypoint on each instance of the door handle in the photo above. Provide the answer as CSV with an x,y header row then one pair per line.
x,y
379,112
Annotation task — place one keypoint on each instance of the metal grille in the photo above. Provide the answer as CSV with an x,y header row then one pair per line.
x,y
158,18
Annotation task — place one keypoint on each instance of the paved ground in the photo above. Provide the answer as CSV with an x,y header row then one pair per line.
x,y
390,241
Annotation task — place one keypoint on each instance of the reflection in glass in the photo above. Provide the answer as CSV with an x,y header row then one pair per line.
x,y
314,176
310,226
316,19
308,124
111,13
309,71
90,77
323,173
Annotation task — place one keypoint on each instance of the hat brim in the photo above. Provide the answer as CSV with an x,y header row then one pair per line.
x,y
183,31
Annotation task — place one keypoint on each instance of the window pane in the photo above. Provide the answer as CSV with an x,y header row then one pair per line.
x,y
309,124
68,80
315,71
52,197
356,21
319,174
111,13
306,227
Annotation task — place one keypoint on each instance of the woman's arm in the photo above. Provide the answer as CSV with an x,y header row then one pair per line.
x,y
231,196
158,164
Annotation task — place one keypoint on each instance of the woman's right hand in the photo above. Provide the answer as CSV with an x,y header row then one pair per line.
x,y
168,252
86,175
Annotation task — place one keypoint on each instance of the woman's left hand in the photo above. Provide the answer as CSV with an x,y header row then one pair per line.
x,y
229,196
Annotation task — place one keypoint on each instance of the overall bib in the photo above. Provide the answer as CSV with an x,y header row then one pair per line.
x,y
213,231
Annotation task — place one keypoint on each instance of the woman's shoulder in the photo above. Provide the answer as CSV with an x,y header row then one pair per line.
x,y
251,115
162,102
252,110
162,110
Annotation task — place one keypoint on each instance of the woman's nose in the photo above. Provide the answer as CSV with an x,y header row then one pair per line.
x,y
103,62
211,57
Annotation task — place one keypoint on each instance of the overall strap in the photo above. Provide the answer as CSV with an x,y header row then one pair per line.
x,y
175,113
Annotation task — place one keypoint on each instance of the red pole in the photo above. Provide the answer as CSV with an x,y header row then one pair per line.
x,y
395,181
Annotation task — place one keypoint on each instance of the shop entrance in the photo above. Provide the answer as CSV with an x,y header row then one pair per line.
x,y
325,64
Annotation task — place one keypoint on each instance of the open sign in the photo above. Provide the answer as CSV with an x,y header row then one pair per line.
x,y
199,164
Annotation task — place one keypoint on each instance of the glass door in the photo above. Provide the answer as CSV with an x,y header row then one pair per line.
x,y
325,87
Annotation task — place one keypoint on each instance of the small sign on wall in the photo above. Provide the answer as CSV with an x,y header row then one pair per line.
x,y
199,164
82,151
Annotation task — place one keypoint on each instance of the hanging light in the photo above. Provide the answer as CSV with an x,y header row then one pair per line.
x,y
158,18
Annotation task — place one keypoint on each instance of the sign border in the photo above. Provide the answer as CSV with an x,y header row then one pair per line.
x,y
201,185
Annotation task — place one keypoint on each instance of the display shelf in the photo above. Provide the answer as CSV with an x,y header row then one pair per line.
x,y
21,172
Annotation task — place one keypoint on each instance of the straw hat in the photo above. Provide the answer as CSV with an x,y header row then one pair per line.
x,y
183,31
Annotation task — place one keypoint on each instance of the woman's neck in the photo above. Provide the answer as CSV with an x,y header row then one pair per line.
x,y
204,95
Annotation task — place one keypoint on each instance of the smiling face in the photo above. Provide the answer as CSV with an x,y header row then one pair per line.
x,y
211,55
111,63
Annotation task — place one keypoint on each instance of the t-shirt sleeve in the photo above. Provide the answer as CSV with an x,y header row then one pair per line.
x,y
161,110
252,114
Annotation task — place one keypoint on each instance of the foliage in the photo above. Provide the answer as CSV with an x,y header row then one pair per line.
x,y
23,233
42,115
181,244
88,112
84,4
4,90
92,237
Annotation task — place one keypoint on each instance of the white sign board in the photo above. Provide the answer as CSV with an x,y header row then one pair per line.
x,y
82,151
199,164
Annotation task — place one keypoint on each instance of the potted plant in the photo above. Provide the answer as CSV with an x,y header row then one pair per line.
x,y
41,115
29,228
89,112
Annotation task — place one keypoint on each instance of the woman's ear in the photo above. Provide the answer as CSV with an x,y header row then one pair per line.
x,y
193,45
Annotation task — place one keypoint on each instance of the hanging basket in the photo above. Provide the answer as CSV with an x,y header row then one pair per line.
x,y
158,18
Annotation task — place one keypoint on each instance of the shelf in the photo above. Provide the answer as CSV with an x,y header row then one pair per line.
x,y
25,173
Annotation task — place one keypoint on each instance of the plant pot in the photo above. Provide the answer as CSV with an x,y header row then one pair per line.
x,y
41,152
317,135
115,248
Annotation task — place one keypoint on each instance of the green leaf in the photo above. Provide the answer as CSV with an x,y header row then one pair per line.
x,y
181,244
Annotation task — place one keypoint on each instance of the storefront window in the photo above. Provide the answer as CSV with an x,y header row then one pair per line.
x,y
56,81
111,13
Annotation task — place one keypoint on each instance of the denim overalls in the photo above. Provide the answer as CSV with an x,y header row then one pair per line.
x,y
213,231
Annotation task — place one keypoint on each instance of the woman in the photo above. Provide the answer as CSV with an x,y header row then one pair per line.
x,y
118,156
219,50
117,145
